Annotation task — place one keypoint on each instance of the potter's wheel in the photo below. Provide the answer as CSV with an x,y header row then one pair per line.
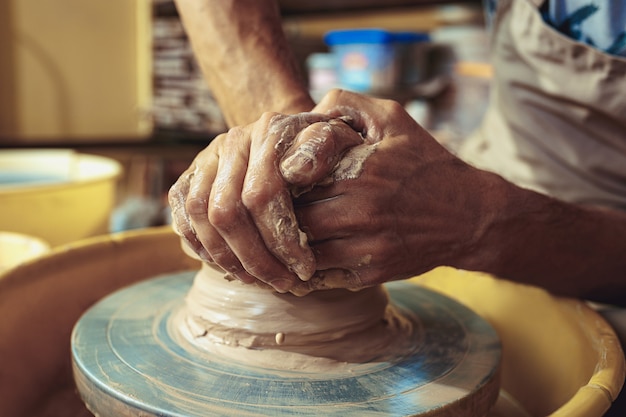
x,y
129,359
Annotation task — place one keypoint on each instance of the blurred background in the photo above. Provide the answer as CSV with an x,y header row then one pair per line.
x,y
116,79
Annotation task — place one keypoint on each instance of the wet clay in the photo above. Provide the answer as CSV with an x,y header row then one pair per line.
x,y
324,330
134,354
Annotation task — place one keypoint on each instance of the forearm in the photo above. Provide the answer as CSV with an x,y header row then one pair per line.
x,y
245,57
567,249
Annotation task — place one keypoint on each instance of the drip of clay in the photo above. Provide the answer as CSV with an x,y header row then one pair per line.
x,y
283,331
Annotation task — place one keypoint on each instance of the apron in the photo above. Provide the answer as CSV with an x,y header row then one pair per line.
x,y
556,122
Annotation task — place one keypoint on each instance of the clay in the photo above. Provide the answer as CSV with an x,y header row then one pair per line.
x,y
325,329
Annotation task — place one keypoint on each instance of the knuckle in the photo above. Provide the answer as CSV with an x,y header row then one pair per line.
x,y
256,198
196,207
224,216
175,197
177,193
330,99
335,93
234,131
270,117
393,106
232,139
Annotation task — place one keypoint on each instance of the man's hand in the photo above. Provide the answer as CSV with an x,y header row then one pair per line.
x,y
233,207
397,205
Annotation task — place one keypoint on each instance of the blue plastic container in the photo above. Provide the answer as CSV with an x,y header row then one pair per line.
x,y
366,59
376,60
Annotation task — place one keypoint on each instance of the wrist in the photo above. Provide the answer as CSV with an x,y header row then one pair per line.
x,y
497,217
530,238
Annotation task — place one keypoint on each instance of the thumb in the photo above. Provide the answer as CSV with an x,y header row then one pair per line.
x,y
316,151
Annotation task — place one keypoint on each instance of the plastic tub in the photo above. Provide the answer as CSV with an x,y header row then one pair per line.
x,y
366,59
376,60
57,195
560,357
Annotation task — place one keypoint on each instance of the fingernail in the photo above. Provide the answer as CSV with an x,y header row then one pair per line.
x,y
297,163
281,285
302,271
245,277
204,255
305,267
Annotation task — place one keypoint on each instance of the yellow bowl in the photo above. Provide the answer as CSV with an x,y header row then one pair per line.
x,y
57,195
560,358
16,248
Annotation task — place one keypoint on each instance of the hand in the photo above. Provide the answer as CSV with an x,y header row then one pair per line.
x,y
398,205
232,207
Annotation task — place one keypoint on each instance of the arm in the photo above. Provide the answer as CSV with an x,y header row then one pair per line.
x,y
245,57
397,205
568,249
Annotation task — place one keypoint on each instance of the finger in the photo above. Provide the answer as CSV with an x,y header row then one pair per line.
x,y
196,210
238,247
354,253
316,151
332,211
266,196
323,221
181,222
205,238
337,236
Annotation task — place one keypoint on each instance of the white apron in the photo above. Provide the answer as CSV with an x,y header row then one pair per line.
x,y
556,122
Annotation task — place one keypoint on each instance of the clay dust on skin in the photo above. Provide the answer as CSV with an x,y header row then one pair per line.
x,y
316,147
352,164
308,152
